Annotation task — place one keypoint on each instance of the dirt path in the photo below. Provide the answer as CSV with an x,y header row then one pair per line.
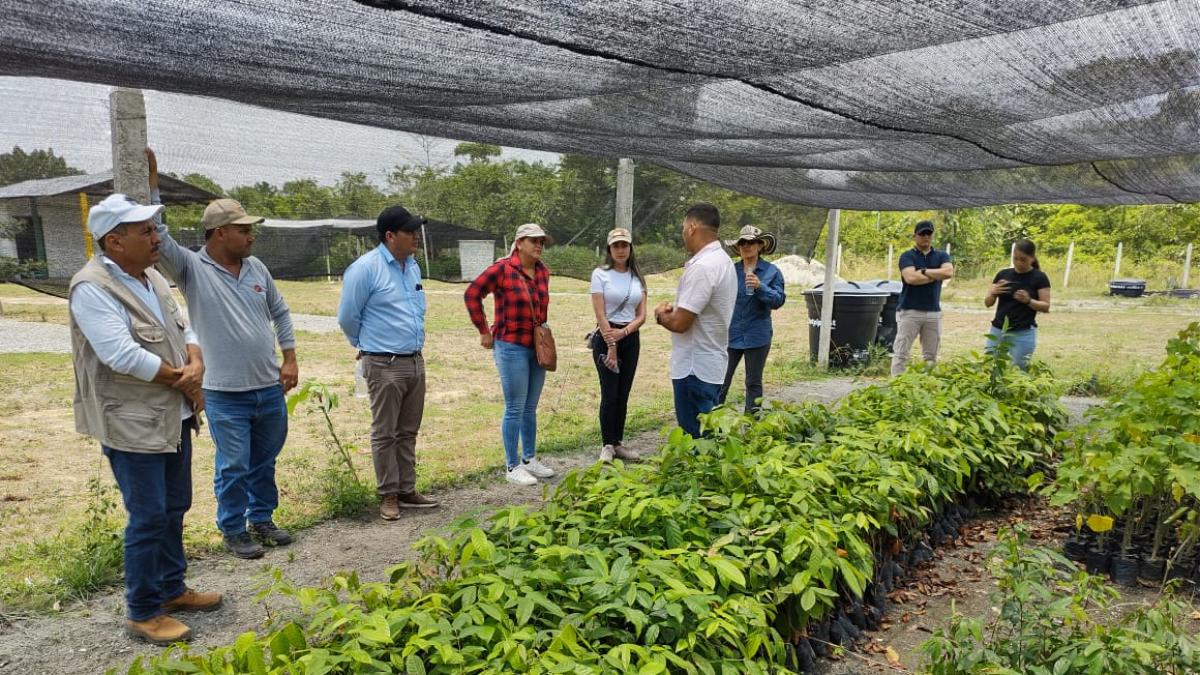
x,y
88,637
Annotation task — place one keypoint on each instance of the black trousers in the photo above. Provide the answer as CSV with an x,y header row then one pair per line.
x,y
615,387
756,359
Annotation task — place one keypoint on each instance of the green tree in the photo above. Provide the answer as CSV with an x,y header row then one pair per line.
x,y
18,165
358,196
477,152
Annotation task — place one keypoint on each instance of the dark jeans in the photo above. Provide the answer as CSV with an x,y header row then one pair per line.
x,y
615,387
249,429
756,359
692,397
157,491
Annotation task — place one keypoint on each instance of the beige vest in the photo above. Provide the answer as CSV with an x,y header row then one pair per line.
x,y
121,411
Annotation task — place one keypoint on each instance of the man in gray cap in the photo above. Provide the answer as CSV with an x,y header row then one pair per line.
x,y
138,369
239,316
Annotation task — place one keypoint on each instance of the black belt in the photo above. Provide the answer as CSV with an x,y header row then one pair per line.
x,y
390,355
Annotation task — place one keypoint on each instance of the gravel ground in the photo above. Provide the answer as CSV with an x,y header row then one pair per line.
x,y
34,336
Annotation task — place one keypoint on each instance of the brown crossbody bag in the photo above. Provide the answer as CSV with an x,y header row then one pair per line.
x,y
543,338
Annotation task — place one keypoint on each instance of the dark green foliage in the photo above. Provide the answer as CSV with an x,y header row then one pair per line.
x,y
18,166
576,262
1055,620
1135,466
709,558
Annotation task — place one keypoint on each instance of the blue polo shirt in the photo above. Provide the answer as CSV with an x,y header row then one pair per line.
x,y
926,297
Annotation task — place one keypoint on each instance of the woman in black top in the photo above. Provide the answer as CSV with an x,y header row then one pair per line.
x,y
1019,293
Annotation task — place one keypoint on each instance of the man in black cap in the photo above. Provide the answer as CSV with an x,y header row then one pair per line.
x,y
919,312
382,313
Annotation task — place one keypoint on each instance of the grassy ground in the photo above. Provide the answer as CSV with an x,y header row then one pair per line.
x,y
45,467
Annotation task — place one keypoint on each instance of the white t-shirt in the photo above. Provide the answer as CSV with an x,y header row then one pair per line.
x,y
615,285
708,289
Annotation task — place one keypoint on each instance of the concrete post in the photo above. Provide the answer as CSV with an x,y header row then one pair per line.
x,y
831,248
1012,253
891,254
838,270
1070,258
624,215
1117,267
127,114
425,248
1187,265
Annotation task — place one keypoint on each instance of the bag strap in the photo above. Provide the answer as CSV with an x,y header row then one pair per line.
x,y
529,295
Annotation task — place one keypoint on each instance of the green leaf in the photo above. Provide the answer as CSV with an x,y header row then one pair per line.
x,y
727,570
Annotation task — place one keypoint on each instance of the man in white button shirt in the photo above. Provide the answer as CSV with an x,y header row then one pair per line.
x,y
699,318
138,370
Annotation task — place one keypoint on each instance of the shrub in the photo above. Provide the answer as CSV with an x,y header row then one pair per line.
x,y
576,262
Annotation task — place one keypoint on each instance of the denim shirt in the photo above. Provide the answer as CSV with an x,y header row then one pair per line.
x,y
751,325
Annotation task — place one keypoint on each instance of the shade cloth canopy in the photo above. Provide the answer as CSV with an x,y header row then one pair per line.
x,y
862,104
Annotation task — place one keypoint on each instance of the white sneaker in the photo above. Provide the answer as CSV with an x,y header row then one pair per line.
x,y
538,469
606,453
518,475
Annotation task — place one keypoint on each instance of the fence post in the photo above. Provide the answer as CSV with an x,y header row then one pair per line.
x,y
1012,253
624,211
891,252
1187,265
831,247
1067,272
425,245
838,270
1117,267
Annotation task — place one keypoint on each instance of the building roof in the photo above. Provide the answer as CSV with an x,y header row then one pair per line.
x,y
174,191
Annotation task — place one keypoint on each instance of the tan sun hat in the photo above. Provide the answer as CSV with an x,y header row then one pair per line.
x,y
752,233
529,231
222,212
619,234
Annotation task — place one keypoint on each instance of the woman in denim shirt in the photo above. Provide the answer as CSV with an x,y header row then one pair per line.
x,y
760,291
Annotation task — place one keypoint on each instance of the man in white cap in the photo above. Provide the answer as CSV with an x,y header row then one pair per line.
x,y
239,316
138,369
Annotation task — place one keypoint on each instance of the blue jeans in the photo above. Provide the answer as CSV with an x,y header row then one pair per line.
x,y
692,397
249,429
1022,344
157,490
521,379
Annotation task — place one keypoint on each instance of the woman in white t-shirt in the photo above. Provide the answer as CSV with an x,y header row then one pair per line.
x,y
619,300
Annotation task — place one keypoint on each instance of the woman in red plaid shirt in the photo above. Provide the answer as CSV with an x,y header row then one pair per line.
x,y
520,285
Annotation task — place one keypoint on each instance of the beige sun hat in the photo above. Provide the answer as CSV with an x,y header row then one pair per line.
x,y
527,231
752,233
222,212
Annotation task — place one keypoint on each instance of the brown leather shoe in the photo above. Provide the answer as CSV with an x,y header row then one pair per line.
x,y
389,508
416,500
626,454
193,601
161,630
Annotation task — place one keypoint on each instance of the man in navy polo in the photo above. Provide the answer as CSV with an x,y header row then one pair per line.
x,y
919,312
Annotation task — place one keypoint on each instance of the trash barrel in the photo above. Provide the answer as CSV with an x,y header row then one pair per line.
x,y
1129,288
856,311
886,335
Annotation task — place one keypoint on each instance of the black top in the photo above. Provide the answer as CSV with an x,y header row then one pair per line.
x,y
925,297
1020,316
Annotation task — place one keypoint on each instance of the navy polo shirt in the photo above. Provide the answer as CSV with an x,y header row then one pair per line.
x,y
926,297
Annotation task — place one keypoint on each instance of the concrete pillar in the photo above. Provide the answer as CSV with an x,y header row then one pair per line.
x,y
127,113
831,248
624,216
1187,266
891,253
1117,266
1070,259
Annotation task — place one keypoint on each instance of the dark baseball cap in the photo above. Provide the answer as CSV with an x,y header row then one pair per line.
x,y
923,226
395,218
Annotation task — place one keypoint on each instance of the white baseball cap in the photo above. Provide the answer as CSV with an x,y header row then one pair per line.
x,y
529,231
116,209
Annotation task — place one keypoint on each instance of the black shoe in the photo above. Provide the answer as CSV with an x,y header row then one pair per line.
x,y
243,546
270,534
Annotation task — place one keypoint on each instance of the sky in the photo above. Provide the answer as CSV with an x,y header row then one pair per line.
x,y
256,144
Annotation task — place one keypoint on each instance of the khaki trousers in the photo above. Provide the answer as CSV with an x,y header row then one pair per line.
x,y
909,324
397,389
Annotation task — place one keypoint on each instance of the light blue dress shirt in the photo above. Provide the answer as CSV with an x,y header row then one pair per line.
x,y
383,304
106,324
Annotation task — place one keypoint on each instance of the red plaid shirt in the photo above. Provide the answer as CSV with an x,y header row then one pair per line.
x,y
512,291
